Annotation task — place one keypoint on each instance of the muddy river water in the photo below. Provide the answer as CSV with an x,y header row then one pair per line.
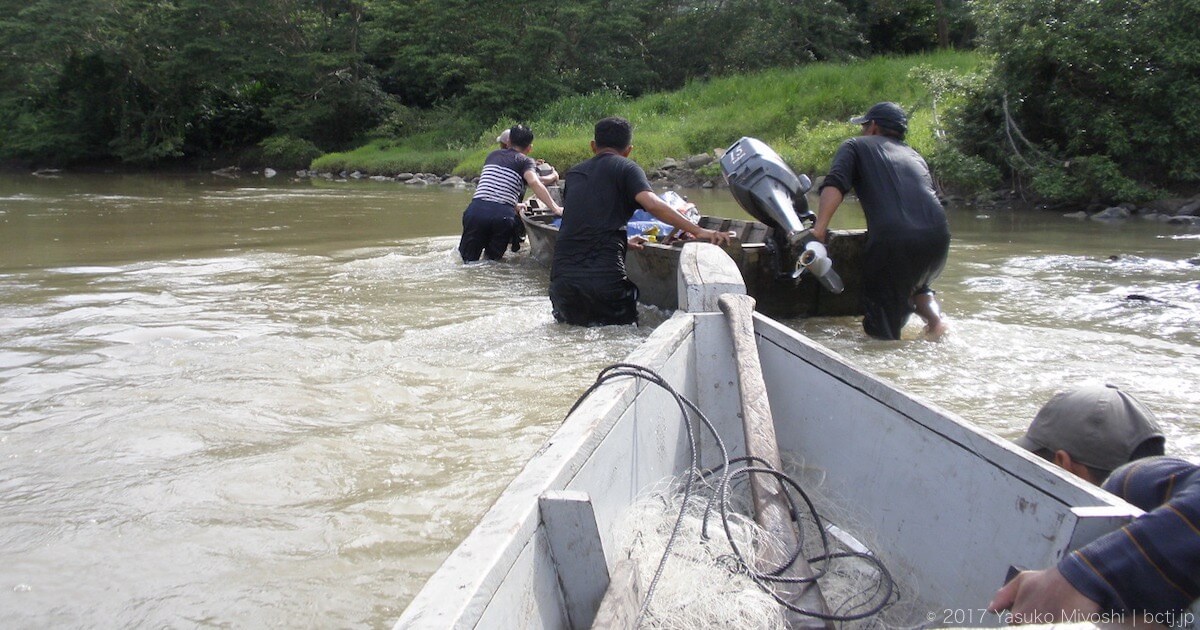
x,y
262,402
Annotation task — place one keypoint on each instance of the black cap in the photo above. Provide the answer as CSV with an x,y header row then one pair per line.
x,y
888,115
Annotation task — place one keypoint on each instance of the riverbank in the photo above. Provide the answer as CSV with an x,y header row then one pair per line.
x,y
802,112
701,171
696,172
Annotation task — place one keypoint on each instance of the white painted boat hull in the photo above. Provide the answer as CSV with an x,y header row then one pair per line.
x,y
948,504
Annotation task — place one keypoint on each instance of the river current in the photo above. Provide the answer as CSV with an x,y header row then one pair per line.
x,y
265,402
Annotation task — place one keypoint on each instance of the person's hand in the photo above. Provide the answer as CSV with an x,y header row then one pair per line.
x,y
713,236
1041,597
637,242
819,233
522,207
558,210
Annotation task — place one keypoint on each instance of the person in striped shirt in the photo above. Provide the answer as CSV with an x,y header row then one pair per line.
x,y
1149,569
490,220
547,173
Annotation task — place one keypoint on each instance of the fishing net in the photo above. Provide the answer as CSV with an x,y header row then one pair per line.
x,y
703,584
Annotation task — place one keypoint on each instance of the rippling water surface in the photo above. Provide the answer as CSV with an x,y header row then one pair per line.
x,y
250,403
1038,303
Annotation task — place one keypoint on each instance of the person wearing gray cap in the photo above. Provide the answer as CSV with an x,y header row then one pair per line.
x,y
1148,571
908,238
1093,429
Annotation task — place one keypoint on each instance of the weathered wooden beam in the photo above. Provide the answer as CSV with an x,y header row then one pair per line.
x,y
706,273
622,601
771,506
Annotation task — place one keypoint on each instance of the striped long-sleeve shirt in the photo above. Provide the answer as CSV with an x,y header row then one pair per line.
x,y
503,177
1151,565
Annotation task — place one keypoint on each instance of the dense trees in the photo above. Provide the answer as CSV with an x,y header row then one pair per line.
x,y
1086,98
1090,100
143,81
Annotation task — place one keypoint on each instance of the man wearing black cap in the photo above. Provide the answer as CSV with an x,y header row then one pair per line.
x,y
908,237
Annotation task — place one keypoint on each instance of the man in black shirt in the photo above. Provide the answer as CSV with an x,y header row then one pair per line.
x,y
588,285
908,238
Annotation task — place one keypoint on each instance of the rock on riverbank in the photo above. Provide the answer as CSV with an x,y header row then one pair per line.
x,y
1174,211
703,171
697,171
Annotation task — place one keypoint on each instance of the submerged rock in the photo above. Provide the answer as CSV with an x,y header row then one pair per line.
x,y
1115,213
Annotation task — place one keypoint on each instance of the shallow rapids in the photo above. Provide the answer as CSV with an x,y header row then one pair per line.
x,y
249,403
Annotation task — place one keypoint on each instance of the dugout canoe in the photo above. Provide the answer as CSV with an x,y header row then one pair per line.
x,y
948,504
655,268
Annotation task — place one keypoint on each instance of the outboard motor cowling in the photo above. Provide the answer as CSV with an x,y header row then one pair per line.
x,y
765,187
769,191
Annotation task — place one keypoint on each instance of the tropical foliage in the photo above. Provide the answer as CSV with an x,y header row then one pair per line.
x,y
1089,100
147,81
1085,99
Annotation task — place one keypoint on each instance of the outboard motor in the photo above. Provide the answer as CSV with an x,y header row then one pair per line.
x,y
765,187
769,191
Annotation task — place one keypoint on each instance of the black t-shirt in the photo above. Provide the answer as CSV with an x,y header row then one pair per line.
x,y
892,182
599,197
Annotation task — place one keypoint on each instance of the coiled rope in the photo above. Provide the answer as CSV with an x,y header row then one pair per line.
x,y
720,500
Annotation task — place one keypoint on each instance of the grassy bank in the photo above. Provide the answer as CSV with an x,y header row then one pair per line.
x,y
800,112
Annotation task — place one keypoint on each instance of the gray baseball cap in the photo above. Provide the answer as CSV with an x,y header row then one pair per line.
x,y
1098,425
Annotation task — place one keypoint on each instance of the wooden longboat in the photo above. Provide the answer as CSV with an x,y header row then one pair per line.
x,y
948,504
655,268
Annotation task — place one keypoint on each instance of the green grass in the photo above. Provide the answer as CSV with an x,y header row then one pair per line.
x,y
384,157
801,112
